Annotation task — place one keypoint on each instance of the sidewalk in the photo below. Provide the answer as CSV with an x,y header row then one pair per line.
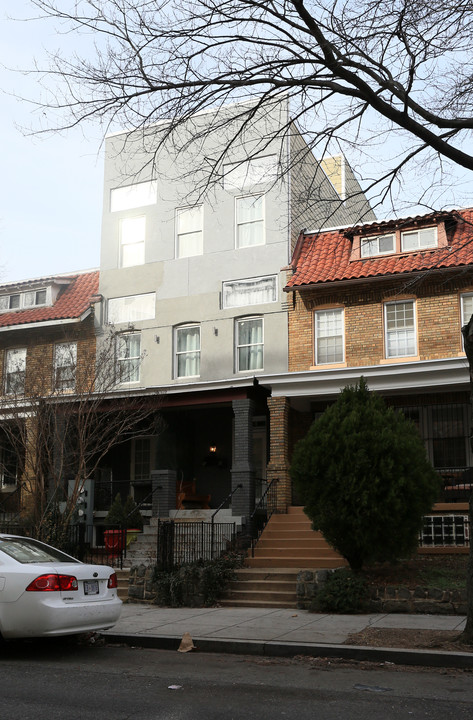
x,y
279,632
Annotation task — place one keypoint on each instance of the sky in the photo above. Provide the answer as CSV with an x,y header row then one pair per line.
x,y
51,185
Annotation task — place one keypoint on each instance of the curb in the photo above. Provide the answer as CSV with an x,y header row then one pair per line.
x,y
397,656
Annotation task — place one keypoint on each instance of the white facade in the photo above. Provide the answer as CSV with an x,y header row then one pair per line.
x,y
193,267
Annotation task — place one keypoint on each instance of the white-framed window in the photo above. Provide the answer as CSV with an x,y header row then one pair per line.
x,y
249,344
329,336
15,371
132,241
252,291
419,239
28,299
129,357
65,365
187,344
131,308
133,196
249,220
247,173
379,245
466,308
400,328
189,231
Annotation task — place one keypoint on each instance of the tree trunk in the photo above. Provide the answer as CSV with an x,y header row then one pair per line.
x,y
467,635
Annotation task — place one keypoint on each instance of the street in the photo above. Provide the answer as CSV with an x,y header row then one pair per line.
x,y
63,679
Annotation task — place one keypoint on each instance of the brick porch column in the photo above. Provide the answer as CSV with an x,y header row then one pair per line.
x,y
278,466
243,501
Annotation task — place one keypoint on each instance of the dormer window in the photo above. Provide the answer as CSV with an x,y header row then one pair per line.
x,y
379,245
24,300
419,239
414,239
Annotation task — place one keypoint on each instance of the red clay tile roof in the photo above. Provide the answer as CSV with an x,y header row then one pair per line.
x,y
325,256
71,303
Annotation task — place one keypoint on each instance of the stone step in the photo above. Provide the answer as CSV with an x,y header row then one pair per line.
x,y
291,542
296,550
262,596
251,603
263,586
272,531
295,562
272,574
123,576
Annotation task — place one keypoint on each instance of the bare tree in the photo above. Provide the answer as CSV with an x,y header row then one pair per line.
x,y
59,432
357,73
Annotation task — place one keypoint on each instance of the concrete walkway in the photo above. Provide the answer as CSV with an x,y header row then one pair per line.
x,y
282,632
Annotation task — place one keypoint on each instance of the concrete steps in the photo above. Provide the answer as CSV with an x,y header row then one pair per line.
x,y
123,577
287,545
262,588
288,541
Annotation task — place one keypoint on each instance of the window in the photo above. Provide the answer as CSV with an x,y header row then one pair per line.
x,y
250,172
380,245
8,464
132,241
249,344
19,301
419,239
189,233
329,335
249,221
187,344
129,357
131,308
254,291
15,371
400,329
466,308
65,363
133,196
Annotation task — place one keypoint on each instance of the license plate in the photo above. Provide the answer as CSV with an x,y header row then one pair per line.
x,y
91,587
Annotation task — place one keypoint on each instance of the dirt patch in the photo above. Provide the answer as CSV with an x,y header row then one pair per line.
x,y
423,570
446,640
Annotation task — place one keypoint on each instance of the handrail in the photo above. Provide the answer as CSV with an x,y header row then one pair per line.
x,y
263,497
229,496
146,497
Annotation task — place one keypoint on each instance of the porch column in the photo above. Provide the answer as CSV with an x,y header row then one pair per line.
x,y
279,464
163,499
243,501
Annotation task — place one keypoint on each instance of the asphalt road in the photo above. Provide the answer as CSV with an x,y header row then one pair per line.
x,y
66,681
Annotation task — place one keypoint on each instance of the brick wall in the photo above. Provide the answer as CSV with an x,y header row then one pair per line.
x,y
437,311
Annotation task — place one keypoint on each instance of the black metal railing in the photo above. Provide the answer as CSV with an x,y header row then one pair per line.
x,y
265,507
180,543
88,543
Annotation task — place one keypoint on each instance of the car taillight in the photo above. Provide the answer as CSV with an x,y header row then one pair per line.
x,y
112,581
53,583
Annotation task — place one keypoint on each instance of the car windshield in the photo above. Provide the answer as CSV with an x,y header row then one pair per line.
x,y
27,550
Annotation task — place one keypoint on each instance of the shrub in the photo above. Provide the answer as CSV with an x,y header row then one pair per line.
x,y
196,584
342,592
364,478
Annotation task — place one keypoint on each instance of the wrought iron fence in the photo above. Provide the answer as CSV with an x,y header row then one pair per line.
x,y
87,543
179,543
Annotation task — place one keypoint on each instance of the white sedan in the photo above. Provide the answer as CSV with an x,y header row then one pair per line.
x,y
44,592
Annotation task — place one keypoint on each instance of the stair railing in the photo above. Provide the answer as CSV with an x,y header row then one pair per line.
x,y
260,516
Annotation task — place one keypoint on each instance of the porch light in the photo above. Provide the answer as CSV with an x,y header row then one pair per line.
x,y
213,449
